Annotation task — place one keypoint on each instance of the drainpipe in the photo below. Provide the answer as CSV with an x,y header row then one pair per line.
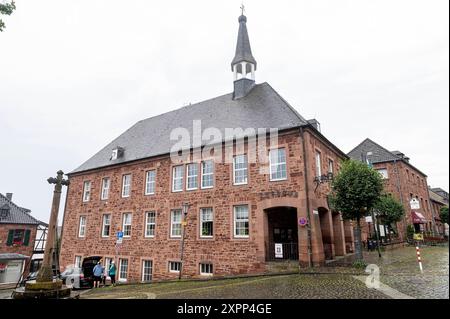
x,y
399,189
308,205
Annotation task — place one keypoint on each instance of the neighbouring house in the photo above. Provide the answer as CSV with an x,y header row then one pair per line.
x,y
248,209
17,237
402,180
439,199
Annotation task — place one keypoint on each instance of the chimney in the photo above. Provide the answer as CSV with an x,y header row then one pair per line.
x,y
9,196
315,124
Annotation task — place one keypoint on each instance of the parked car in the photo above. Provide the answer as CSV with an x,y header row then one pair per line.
x,y
87,267
81,278
74,278
33,276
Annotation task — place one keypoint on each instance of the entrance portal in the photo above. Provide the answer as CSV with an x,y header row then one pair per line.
x,y
282,236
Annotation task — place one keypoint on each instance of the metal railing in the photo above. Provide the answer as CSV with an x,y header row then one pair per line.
x,y
289,252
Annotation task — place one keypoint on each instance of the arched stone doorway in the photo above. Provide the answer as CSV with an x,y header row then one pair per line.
x,y
281,240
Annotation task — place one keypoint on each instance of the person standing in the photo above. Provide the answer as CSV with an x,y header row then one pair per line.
x,y
98,273
112,273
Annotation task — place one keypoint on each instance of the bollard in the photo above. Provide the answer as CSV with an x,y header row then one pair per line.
x,y
419,259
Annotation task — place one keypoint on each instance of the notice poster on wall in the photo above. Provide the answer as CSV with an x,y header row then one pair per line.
x,y
382,232
278,250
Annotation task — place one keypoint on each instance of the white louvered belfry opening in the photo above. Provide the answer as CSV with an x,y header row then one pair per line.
x,y
243,70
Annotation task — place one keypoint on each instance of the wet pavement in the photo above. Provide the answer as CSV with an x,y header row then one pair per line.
x,y
400,277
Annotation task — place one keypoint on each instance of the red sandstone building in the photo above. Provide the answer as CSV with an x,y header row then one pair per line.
x,y
17,238
244,214
439,200
402,180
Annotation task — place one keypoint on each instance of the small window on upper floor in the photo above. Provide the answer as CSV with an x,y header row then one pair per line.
x,y
117,153
384,173
86,191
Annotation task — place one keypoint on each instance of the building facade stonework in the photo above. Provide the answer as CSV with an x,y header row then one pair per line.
x,y
267,202
403,181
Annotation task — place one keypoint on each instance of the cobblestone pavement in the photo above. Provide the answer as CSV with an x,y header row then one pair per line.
x,y
398,268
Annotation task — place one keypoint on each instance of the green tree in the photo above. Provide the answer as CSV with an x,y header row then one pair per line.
x,y
444,214
355,191
389,210
6,8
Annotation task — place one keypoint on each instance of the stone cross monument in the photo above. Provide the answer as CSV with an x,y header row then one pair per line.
x,y
45,287
46,271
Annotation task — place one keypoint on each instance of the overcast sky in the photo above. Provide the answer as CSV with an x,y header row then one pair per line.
x,y
75,74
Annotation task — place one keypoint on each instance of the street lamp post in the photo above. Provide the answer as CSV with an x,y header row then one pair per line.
x,y
184,210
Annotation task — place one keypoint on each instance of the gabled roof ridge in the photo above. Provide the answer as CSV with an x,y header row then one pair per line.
x,y
376,144
384,149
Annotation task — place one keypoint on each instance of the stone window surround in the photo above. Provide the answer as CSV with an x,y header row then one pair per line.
x,y
87,191
102,188
142,260
123,185
145,181
145,222
279,146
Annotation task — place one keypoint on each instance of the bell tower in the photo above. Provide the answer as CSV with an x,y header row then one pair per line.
x,y
244,64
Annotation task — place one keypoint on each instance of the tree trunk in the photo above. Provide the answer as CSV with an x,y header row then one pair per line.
x,y
358,244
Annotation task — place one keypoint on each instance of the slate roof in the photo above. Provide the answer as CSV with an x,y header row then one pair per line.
x,y
263,107
379,154
437,197
243,48
17,214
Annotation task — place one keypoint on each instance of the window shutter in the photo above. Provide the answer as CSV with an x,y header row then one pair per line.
x,y
10,237
26,240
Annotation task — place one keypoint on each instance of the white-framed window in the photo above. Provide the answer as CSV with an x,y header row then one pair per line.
x,y
174,266
240,170
123,269
208,174
86,191
241,221
206,223
82,227
150,224
206,269
175,223
177,179
106,225
318,164
191,176
150,182
105,188
278,169
147,270
78,261
107,265
384,173
330,166
126,185
126,224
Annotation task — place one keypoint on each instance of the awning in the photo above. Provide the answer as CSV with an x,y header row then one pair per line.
x,y
418,218
13,256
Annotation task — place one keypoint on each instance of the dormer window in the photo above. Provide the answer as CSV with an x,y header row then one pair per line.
x,y
117,153
4,211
